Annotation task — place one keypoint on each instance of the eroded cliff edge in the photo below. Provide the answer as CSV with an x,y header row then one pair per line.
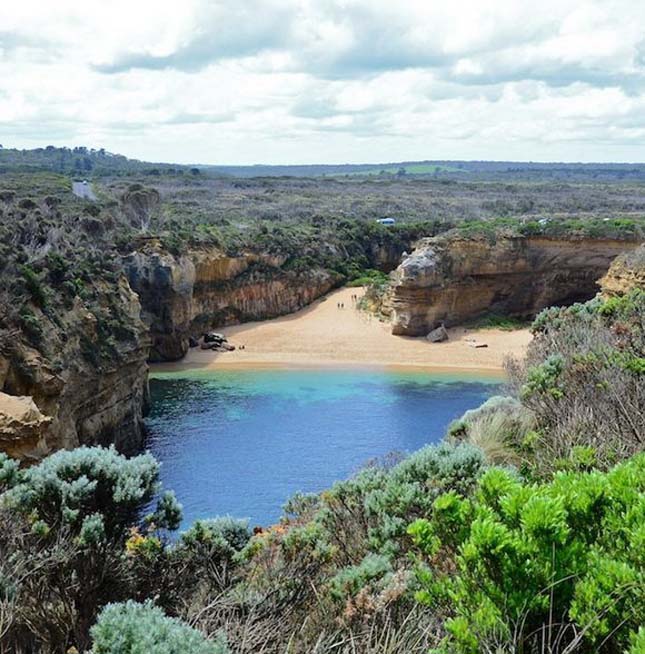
x,y
77,376
454,278
626,272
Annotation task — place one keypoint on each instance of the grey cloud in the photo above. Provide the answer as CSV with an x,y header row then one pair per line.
x,y
308,107
377,42
552,73
639,57
632,120
446,88
378,48
42,131
9,41
12,41
245,29
362,124
188,118
394,41
323,106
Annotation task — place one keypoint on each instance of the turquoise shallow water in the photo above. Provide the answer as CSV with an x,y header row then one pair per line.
x,y
242,442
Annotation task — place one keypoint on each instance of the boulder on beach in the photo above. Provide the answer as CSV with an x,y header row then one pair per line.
x,y
214,337
438,335
222,347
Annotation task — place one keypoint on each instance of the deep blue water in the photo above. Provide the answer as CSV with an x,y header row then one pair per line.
x,y
242,442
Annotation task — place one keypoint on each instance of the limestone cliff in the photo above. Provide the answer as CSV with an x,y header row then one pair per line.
x,y
625,273
455,278
183,296
72,383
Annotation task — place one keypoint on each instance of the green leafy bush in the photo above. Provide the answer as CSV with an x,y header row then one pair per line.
x,y
544,378
367,277
536,565
496,321
34,285
224,533
31,325
351,580
133,628
9,472
371,511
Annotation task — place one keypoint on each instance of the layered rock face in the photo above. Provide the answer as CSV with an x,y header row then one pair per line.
x,y
454,279
625,273
71,390
183,296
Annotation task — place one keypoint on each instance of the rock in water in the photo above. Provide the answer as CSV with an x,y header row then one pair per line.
x,y
438,335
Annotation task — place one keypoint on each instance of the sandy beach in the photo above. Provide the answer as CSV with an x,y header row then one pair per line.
x,y
323,334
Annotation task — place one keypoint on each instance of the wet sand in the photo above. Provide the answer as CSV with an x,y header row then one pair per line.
x,y
322,334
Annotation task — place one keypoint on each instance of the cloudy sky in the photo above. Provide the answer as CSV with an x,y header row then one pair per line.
x,y
304,81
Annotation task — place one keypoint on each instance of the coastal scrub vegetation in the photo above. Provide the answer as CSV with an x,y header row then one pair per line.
x,y
522,532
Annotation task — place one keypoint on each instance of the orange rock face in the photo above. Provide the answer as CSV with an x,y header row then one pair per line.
x,y
183,296
453,279
625,273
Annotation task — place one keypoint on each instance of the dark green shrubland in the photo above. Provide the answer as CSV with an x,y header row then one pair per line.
x,y
339,564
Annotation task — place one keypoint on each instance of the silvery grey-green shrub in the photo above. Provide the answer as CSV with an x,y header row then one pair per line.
x,y
134,628
92,491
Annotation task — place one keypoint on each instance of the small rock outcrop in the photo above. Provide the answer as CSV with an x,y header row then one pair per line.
x,y
438,335
22,427
217,342
453,278
625,273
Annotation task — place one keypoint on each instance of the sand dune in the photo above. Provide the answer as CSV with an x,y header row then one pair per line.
x,y
323,334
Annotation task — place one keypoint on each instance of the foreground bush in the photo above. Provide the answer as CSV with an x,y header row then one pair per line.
x,y
552,567
133,628
63,530
201,565
584,380
93,491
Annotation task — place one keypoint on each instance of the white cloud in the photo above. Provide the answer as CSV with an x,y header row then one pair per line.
x,y
223,81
